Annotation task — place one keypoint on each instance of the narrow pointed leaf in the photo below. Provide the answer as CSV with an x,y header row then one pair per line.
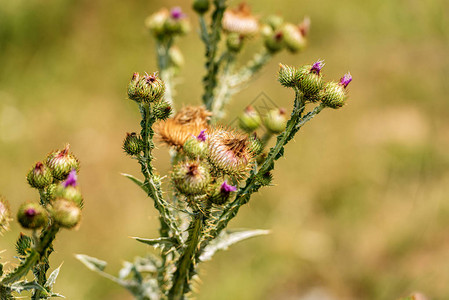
x,y
98,266
136,181
52,278
158,243
226,239
24,285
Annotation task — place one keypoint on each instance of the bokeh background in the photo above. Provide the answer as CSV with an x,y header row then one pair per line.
x,y
360,205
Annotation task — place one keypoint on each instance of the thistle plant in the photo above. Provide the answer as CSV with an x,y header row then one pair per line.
x,y
215,169
59,206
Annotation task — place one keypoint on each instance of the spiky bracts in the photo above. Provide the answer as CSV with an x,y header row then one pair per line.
x,y
191,177
229,152
61,162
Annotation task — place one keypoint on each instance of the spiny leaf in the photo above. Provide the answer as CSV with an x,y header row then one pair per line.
x,y
228,238
158,243
52,278
136,181
24,285
92,263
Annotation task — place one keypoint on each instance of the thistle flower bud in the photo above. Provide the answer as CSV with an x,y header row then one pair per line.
x,y
69,190
221,193
334,94
265,179
311,80
4,215
148,88
32,216
61,162
191,177
288,76
250,119
274,21
155,22
162,110
196,147
240,21
132,144
255,145
274,42
201,6
229,152
40,176
293,37
276,120
176,57
234,42
65,213
176,23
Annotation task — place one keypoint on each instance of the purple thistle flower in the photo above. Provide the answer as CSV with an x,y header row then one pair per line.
x,y
71,179
316,67
30,212
176,13
227,188
346,79
202,136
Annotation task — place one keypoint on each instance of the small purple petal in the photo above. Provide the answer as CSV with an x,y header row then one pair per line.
x,y
346,79
202,136
71,179
316,67
176,13
30,212
226,188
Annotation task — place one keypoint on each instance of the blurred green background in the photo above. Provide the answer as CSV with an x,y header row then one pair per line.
x,y
360,207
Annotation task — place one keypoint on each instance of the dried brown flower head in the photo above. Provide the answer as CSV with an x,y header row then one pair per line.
x,y
189,121
240,20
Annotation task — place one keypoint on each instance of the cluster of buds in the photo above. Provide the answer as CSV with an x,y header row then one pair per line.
x,y
309,80
274,121
168,23
61,199
278,34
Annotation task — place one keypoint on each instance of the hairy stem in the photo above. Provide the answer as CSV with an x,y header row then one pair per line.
x,y
211,43
165,72
185,264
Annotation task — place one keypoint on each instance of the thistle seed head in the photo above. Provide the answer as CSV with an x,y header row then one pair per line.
x,y
240,20
229,152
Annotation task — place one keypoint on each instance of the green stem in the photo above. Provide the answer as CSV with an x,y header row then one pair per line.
x,y
211,42
165,72
223,91
248,72
185,264
34,257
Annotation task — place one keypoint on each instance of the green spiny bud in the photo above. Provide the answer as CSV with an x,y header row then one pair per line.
x,y
40,176
4,215
276,120
71,193
274,42
155,22
196,147
32,216
148,88
133,144
162,110
191,177
234,42
334,94
250,119
293,37
61,162
65,213
255,145
311,80
176,23
265,179
220,193
288,76
50,191
274,21
201,6
176,57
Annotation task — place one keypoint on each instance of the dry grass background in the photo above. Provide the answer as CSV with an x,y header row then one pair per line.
x,y
360,209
